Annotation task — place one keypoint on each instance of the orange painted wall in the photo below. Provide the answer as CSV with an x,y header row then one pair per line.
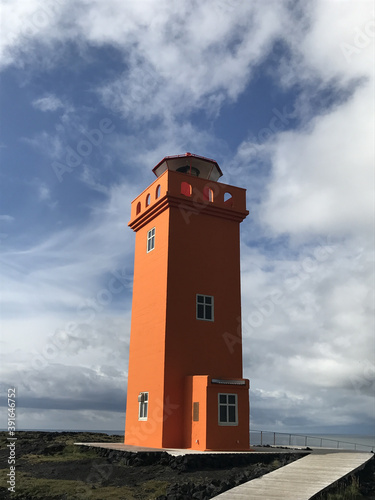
x,y
147,340
228,437
207,433
196,251
195,433
204,258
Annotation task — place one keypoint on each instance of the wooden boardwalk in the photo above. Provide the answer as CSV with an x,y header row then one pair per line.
x,y
301,479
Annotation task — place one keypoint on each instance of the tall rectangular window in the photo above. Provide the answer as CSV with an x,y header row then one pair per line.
x,y
228,411
150,239
205,307
196,411
142,406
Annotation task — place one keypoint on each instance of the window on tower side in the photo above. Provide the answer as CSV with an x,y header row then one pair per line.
x,y
150,239
142,406
205,307
228,411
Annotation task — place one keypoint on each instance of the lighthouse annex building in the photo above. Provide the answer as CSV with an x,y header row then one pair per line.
x,y
185,385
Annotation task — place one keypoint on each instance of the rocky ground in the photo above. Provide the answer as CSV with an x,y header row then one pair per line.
x,y
50,466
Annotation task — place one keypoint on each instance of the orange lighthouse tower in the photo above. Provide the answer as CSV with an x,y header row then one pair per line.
x,y
185,385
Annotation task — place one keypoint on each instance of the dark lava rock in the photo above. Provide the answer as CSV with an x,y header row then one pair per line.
x,y
189,477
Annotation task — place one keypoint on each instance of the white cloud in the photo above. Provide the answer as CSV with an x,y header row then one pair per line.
x,y
69,294
321,174
23,23
44,192
308,328
6,218
194,64
48,103
318,342
179,58
62,271
322,178
89,177
50,144
334,25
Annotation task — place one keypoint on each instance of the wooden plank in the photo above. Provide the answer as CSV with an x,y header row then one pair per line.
x,y
300,480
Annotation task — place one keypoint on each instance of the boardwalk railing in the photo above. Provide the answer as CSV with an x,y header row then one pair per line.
x,y
268,438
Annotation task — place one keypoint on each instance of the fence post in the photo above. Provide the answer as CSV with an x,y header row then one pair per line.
x,y
261,438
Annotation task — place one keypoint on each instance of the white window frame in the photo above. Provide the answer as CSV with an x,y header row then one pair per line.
x,y
143,406
227,405
150,240
204,306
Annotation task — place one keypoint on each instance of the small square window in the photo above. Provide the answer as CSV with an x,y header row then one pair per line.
x,y
205,307
143,406
150,239
228,411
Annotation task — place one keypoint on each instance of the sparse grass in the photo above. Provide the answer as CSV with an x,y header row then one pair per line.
x,y
3,439
64,437
275,464
154,488
87,437
69,453
346,492
38,488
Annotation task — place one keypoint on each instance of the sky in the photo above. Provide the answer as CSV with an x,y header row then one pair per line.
x,y
281,94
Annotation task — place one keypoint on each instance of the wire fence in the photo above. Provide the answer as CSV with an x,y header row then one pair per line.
x,y
268,438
